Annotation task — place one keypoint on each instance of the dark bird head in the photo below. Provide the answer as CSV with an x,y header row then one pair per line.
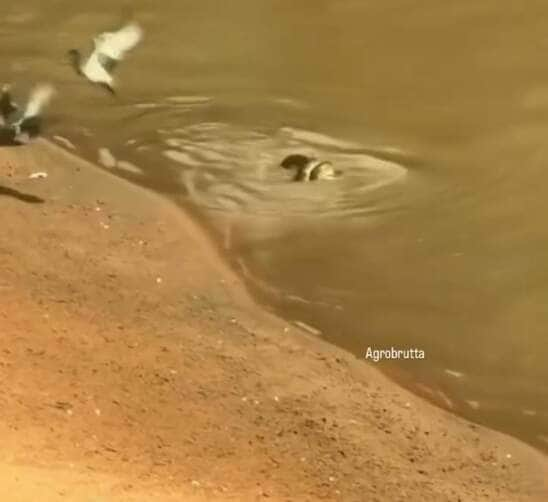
x,y
75,59
295,161
299,164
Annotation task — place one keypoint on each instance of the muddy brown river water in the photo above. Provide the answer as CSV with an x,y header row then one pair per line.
x,y
435,238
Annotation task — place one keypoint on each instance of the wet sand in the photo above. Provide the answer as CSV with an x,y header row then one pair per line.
x,y
137,367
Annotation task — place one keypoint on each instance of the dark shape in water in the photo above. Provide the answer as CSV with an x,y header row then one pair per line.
x,y
309,168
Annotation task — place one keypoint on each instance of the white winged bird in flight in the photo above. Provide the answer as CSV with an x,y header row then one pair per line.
x,y
108,50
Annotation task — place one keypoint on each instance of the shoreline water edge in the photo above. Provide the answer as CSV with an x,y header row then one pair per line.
x,y
140,368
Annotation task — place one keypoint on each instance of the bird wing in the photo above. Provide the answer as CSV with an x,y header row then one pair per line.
x,y
95,70
114,45
39,98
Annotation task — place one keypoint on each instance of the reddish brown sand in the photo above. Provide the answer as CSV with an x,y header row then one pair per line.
x,y
136,367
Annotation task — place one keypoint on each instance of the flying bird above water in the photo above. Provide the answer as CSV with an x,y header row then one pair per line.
x,y
20,128
109,49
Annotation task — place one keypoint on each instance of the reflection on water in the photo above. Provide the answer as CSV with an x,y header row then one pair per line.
x,y
434,237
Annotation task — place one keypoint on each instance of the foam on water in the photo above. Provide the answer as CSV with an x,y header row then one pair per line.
x,y
106,158
189,100
129,167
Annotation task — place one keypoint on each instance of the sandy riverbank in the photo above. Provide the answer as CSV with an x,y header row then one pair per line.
x,y
136,367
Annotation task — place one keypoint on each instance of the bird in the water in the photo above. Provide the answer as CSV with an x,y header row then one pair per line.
x,y
20,128
309,168
109,49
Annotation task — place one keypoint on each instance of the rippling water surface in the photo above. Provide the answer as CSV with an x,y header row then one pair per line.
x,y
434,238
